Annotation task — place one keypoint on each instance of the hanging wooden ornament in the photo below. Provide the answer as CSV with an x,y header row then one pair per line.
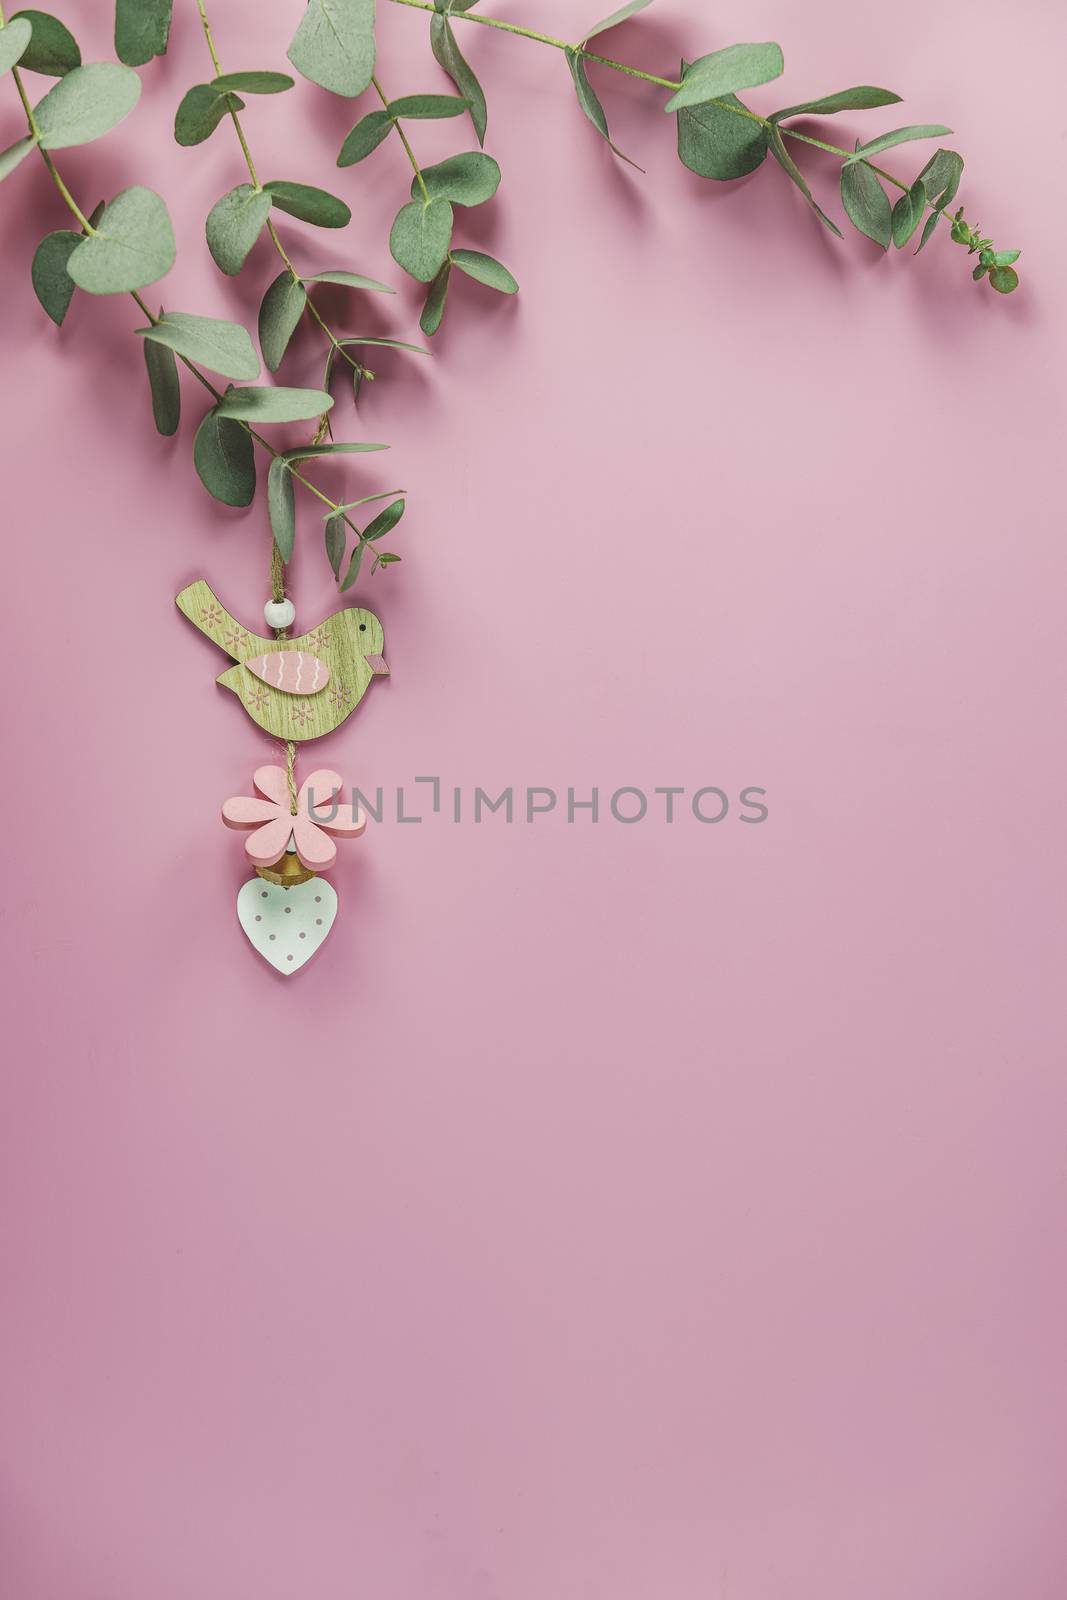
x,y
295,689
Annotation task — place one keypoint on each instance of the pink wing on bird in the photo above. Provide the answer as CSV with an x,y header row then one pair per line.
x,y
291,671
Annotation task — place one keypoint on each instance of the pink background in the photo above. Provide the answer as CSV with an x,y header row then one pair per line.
x,y
607,1211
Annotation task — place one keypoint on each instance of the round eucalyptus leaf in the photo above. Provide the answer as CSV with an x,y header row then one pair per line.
x,y
142,29
255,82
434,307
866,202
366,136
485,269
274,405
466,180
1004,279
716,143
132,246
85,104
281,310
211,342
420,236
164,388
225,459
200,112
233,225
53,49
723,72
14,42
334,45
52,283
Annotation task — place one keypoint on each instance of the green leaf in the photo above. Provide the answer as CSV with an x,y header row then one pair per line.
x,y
281,310
366,136
434,306
866,202
908,213
309,204
52,283
392,344
334,45
53,50
484,269
274,405
200,112
383,522
980,270
885,141
350,505
739,66
14,42
133,244
225,458
353,566
351,280
1004,279
590,104
281,506
427,105
420,236
85,104
864,97
776,145
928,230
142,28
1004,258
255,82
234,224
450,57
15,155
209,341
616,17
386,558
310,452
941,177
164,387
336,539
466,180
716,143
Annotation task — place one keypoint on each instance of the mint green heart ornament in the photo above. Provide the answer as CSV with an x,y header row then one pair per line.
x,y
286,926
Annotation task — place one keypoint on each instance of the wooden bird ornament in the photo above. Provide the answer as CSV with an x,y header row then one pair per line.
x,y
293,688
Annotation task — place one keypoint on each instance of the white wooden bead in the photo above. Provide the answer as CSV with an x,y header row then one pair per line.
x,y
279,613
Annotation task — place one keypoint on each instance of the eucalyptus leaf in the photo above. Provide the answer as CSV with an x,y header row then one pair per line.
x,y
353,566
391,344
255,82
142,29
334,45
85,104
164,387
274,405
1004,258
864,97
885,141
427,106
484,269
616,17
420,236
15,155
281,506
433,308
466,180
386,558
450,57
739,66
908,213
384,522
336,538
52,283
311,452
928,230
776,145
233,225
941,177
590,104
308,203
53,49
283,306
133,244
366,136
209,341
350,505
351,280
225,458
1004,279
866,202
14,42
200,111
717,143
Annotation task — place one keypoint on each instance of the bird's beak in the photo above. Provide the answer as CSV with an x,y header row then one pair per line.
x,y
377,664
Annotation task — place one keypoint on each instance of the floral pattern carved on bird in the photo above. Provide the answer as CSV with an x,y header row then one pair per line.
x,y
293,688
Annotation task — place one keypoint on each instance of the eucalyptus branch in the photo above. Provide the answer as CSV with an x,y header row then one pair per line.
x,y
234,115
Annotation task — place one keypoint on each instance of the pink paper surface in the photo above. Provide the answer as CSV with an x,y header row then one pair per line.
x,y
608,1211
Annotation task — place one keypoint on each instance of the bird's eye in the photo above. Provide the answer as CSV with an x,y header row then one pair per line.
x,y
363,627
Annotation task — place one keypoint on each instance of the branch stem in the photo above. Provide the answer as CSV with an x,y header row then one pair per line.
x,y
404,140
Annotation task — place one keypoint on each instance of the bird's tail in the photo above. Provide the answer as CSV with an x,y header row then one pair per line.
x,y
205,610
